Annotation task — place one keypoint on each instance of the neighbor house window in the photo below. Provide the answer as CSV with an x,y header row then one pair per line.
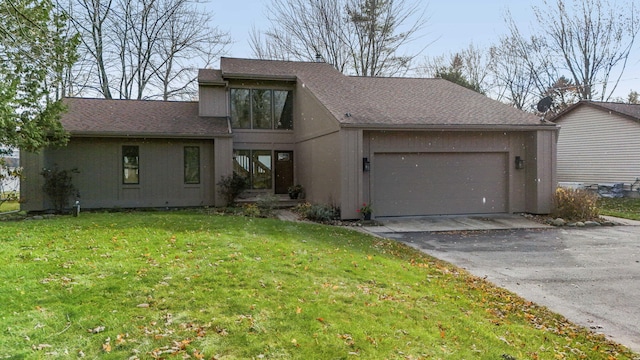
x,y
261,109
192,165
130,165
255,166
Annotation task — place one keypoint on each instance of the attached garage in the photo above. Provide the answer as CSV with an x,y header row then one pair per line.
x,y
410,184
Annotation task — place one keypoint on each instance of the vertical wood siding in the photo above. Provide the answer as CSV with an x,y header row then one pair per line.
x,y
595,146
161,173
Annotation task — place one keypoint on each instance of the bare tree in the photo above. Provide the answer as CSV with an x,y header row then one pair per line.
x,y
511,75
588,41
144,49
360,37
304,29
469,67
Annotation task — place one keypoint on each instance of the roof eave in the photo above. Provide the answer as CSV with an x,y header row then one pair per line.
x,y
454,127
146,135
246,76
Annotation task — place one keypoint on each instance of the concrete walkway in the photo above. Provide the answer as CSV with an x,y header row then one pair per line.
x,y
452,223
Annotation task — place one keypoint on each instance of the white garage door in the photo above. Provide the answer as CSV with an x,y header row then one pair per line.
x,y
439,183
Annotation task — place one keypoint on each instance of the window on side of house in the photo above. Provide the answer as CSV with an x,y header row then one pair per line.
x,y
130,164
255,166
261,109
192,165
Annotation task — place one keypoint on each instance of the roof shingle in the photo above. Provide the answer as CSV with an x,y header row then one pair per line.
x,y
385,101
139,118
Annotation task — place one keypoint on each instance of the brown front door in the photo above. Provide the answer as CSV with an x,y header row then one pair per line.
x,y
284,171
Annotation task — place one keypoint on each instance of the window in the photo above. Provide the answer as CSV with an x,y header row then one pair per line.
x,y
240,109
255,166
283,109
130,165
261,109
191,165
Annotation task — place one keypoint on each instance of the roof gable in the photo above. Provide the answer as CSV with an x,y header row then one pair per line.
x,y
102,117
630,111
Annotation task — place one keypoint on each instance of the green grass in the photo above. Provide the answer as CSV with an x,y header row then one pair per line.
x,y
627,208
172,285
9,206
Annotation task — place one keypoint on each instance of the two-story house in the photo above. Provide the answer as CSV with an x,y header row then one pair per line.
x,y
409,146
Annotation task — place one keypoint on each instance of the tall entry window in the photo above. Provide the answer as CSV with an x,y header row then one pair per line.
x,y
261,109
130,165
255,166
191,165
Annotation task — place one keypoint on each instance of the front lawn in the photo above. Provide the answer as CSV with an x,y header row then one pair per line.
x,y
627,208
193,285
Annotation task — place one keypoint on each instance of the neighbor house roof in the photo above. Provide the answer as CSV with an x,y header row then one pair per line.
x,y
631,111
384,102
139,118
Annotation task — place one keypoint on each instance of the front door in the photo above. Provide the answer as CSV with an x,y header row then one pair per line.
x,y
284,171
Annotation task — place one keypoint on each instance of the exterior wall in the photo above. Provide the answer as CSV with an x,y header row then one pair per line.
x,y
352,196
213,101
541,176
100,174
33,199
596,147
318,151
222,164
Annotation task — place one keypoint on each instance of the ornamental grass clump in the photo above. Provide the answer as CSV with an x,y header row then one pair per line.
x,y
575,204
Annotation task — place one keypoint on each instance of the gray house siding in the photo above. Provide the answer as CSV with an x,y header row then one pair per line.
x,y
541,174
597,146
100,184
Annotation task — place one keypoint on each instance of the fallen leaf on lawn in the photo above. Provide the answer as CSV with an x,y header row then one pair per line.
x,y
96,330
41,347
298,310
120,339
106,347
143,305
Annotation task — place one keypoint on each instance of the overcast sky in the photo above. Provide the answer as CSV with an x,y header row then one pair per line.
x,y
452,26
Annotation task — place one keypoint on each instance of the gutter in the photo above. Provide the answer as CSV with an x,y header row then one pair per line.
x,y
456,127
150,135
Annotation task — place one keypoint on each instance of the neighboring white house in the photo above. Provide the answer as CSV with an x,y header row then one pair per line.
x,y
599,143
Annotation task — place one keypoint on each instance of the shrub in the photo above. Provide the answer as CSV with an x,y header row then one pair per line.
x,y
231,186
575,204
250,210
321,213
58,186
267,203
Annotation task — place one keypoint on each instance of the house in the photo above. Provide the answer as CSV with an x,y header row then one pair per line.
x,y
599,143
408,146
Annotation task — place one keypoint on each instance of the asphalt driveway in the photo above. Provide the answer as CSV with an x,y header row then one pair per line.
x,y
589,275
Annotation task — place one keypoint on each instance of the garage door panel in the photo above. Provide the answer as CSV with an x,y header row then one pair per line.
x,y
439,183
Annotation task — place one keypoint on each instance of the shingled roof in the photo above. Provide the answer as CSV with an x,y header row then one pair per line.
x,y
631,111
139,118
385,102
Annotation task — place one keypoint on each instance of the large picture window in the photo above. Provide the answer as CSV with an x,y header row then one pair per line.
x,y
191,165
130,165
255,166
261,109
